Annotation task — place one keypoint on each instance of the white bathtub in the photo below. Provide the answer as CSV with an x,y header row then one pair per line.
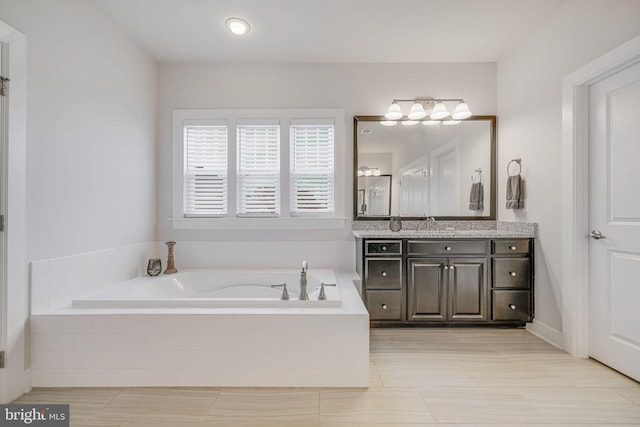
x,y
206,328
216,289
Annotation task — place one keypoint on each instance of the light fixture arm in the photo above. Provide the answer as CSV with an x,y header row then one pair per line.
x,y
428,100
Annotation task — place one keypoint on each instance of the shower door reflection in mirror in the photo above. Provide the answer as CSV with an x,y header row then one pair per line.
x,y
374,195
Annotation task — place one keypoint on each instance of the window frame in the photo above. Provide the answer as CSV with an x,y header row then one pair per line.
x,y
233,118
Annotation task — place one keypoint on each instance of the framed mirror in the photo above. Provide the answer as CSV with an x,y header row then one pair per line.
x,y
425,170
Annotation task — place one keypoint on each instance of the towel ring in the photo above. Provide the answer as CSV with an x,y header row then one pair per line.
x,y
478,173
518,161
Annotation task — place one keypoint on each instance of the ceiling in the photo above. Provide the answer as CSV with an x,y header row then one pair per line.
x,y
330,30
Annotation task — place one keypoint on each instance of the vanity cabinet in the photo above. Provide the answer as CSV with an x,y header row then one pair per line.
x,y
447,282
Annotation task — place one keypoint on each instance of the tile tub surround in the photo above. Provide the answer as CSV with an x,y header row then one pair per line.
x,y
55,282
297,347
446,229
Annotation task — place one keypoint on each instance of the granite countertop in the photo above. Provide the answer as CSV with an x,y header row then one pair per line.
x,y
446,229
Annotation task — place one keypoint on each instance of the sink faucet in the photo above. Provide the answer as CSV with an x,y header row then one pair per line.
x,y
430,223
303,281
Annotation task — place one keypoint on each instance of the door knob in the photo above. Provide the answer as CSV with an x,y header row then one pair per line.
x,y
597,235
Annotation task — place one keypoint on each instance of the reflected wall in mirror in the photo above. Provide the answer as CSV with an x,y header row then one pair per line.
x,y
374,195
444,171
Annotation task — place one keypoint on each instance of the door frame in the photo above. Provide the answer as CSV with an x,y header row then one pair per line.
x,y
575,191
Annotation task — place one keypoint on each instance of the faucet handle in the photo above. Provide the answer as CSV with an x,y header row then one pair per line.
x,y
285,294
323,296
305,265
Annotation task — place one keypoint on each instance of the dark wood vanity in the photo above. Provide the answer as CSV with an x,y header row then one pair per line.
x,y
447,281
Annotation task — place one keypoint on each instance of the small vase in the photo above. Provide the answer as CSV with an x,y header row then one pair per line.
x,y
154,267
395,224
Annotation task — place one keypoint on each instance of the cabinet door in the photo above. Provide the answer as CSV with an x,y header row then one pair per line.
x,y
468,289
427,291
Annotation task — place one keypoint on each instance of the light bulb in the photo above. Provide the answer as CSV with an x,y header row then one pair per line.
x,y
237,26
394,112
439,111
417,112
461,112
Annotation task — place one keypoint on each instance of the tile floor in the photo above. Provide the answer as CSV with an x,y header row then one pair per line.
x,y
419,377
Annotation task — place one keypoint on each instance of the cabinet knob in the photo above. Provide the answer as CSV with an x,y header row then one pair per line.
x,y
384,274
384,306
451,267
513,274
447,248
384,248
446,267
512,247
512,306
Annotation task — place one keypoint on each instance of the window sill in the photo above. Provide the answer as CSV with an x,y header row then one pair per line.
x,y
259,223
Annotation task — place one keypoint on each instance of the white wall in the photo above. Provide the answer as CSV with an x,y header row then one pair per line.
x,y
90,149
91,129
360,89
529,126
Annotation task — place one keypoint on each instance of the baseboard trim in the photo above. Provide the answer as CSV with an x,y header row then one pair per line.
x,y
547,333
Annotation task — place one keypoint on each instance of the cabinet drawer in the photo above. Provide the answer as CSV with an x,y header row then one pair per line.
x,y
516,246
383,273
511,273
384,305
383,247
512,305
447,247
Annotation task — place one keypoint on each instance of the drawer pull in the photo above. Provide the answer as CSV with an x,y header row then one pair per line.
x,y
384,274
513,274
512,247
447,248
384,306
384,248
512,306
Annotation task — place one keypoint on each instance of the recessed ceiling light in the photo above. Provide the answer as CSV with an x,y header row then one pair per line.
x,y
237,26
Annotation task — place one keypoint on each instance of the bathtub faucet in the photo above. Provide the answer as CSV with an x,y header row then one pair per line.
x,y
303,281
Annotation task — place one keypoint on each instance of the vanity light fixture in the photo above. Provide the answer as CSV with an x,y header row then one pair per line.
x,y
237,26
450,122
409,122
367,171
438,112
430,122
388,122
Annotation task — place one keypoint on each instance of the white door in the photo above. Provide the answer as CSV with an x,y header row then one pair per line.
x,y
614,248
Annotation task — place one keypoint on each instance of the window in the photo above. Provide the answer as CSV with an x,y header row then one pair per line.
x,y
259,170
254,169
205,171
312,168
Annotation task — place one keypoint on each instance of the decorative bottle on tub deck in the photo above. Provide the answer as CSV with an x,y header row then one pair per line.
x,y
171,268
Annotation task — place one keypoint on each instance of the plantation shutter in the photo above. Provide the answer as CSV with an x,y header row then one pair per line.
x,y
205,171
312,174
259,170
